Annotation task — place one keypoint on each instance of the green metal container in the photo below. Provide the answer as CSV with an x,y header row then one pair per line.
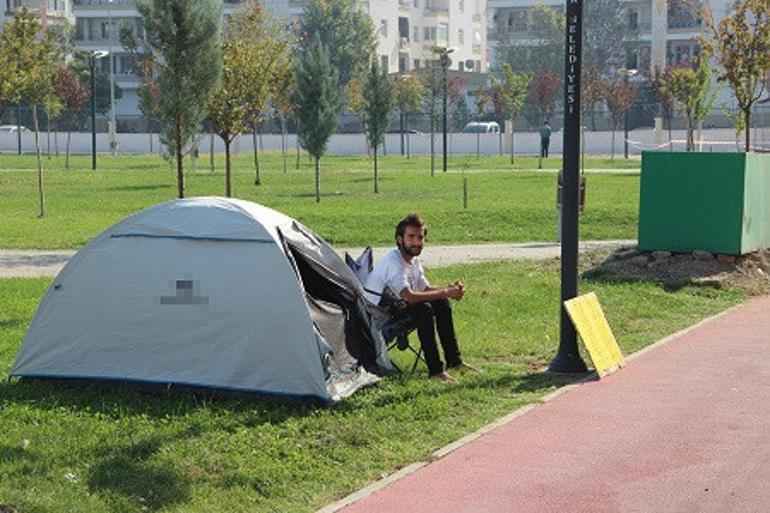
x,y
716,202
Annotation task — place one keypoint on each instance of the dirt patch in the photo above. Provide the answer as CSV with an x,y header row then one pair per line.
x,y
749,273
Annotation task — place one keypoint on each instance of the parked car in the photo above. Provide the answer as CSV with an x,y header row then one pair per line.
x,y
481,127
12,129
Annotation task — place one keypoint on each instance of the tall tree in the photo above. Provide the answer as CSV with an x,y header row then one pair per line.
x,y
740,43
266,44
690,90
379,102
543,49
34,63
144,62
346,31
317,102
515,87
482,100
284,105
543,91
607,33
591,92
658,80
74,96
432,91
185,33
227,110
619,96
408,93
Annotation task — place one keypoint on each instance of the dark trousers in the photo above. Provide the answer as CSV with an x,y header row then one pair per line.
x,y
544,143
429,318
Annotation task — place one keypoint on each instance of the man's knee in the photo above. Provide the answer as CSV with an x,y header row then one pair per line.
x,y
441,304
422,310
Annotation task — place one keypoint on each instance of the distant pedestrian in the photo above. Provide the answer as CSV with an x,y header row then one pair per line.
x,y
545,139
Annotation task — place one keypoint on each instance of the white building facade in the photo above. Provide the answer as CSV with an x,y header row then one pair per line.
x,y
407,33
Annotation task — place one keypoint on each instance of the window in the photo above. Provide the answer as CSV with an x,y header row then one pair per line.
x,y
461,36
105,30
442,34
403,28
461,6
633,20
403,62
384,28
384,63
429,33
416,34
517,21
417,64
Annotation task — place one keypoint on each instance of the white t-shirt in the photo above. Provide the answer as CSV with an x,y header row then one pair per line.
x,y
393,272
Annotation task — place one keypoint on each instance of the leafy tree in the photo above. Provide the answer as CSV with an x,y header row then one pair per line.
x,y
740,42
606,35
318,104
227,110
482,101
619,96
543,49
345,30
514,92
658,82
543,91
144,63
379,102
735,116
690,90
284,105
432,91
74,95
408,93
185,34
461,114
266,45
33,62
591,92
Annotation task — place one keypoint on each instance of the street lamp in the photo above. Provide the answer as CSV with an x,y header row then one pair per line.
x,y
113,142
444,61
98,54
626,73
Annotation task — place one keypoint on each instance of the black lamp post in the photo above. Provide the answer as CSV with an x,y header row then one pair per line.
x,y
92,67
568,357
444,62
18,126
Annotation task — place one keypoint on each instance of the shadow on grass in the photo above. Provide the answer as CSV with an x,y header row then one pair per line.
x,y
121,401
130,472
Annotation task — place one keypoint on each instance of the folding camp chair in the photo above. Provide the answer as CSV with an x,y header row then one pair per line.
x,y
396,335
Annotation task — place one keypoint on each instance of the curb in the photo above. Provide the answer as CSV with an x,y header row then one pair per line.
x,y
447,449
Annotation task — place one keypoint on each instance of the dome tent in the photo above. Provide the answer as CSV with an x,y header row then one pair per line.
x,y
208,292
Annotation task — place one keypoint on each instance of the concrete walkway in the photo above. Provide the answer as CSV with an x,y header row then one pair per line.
x,y
31,263
683,428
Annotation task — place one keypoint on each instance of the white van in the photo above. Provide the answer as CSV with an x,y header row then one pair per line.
x,y
481,127
12,129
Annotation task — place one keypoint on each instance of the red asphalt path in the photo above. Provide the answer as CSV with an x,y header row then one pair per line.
x,y
682,428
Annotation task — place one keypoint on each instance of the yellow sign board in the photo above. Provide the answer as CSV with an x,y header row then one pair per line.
x,y
589,320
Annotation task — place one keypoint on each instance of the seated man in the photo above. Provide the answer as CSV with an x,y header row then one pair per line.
x,y
400,274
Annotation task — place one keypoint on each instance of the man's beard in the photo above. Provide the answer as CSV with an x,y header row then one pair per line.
x,y
411,251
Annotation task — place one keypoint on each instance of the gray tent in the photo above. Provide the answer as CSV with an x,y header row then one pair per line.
x,y
208,292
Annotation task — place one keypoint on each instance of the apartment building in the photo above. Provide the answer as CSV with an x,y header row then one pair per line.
x,y
668,29
49,11
407,33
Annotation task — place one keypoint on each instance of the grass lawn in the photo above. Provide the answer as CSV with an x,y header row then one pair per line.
x,y
505,205
97,450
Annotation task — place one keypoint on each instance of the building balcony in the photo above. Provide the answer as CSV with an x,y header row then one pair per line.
x,y
405,4
436,7
403,43
104,4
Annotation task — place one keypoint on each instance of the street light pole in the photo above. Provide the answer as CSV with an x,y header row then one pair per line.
x,y
444,62
568,357
112,130
92,67
18,126
625,72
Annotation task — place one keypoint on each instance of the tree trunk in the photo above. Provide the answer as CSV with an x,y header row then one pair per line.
x,y
298,149
39,161
211,150
747,117
318,179
179,161
478,143
67,155
406,124
228,170
56,139
670,136
690,134
432,143
512,141
149,129
612,150
376,183
254,134
48,135
500,141
283,142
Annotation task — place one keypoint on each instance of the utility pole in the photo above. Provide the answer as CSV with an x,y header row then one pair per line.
x,y
112,129
568,358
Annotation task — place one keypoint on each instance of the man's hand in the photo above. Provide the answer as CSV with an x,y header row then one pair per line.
x,y
456,290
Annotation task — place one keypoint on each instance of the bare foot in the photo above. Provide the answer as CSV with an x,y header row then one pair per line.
x,y
464,367
443,376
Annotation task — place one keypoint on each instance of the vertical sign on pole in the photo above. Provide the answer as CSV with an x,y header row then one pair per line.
x,y
568,358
